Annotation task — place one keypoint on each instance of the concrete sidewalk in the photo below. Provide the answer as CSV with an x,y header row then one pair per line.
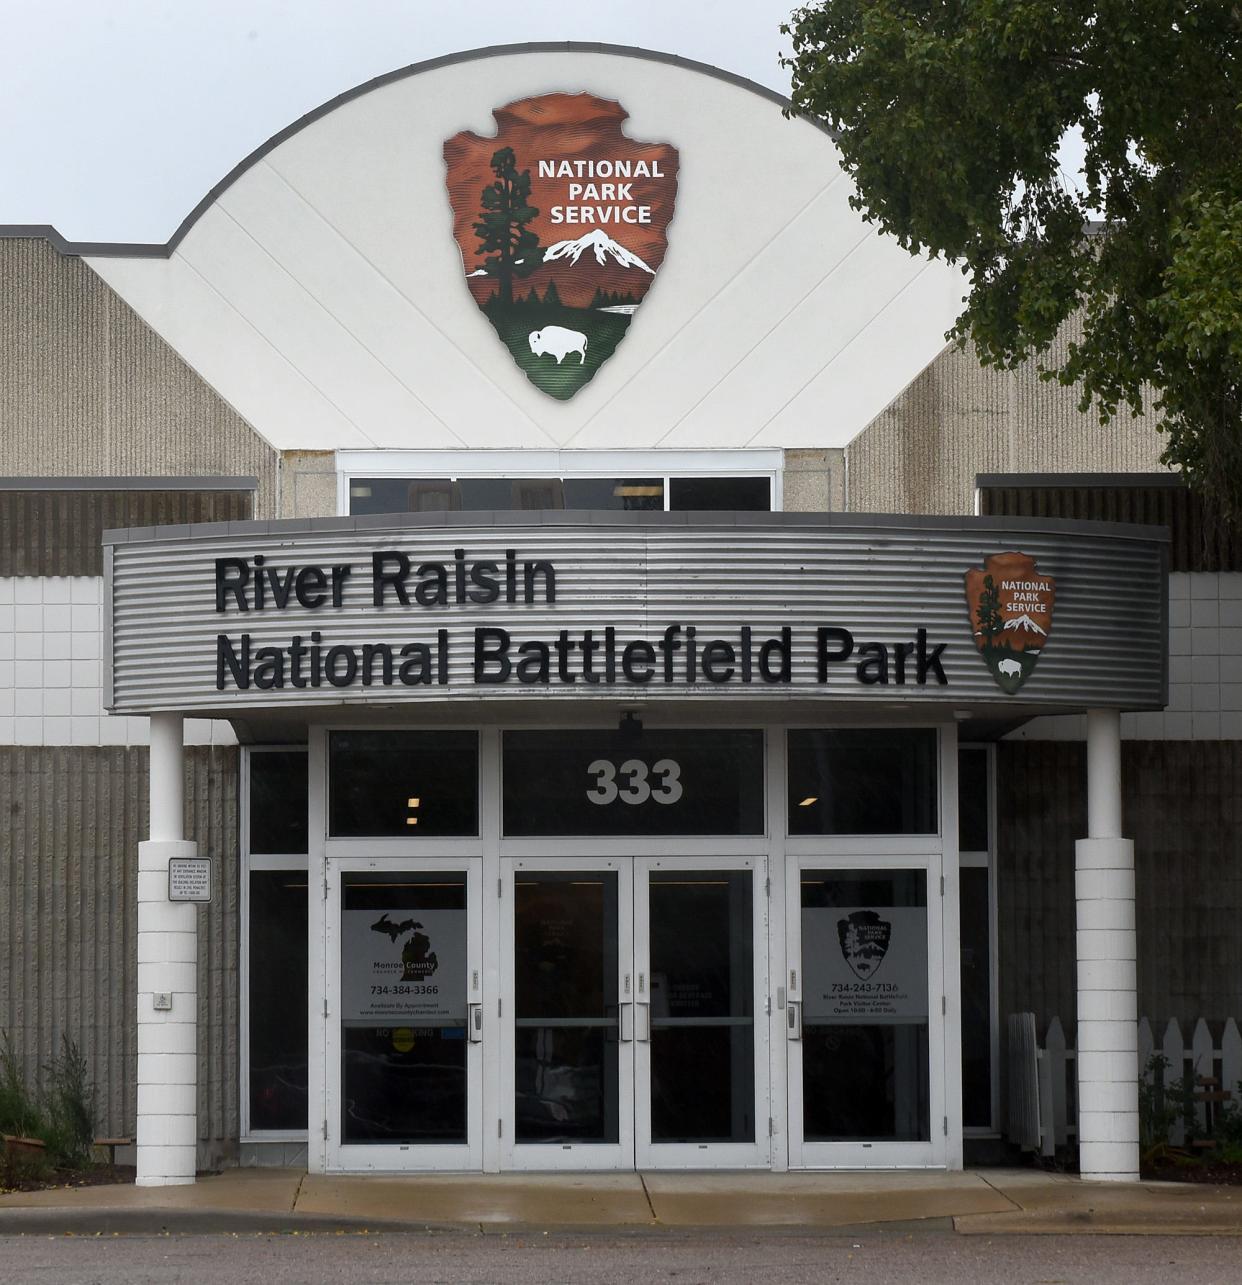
x,y
987,1201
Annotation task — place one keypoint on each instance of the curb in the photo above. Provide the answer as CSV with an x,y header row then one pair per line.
x,y
119,1221
202,1222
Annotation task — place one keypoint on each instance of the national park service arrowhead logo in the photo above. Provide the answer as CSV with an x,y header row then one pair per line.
x,y
1010,605
562,224
864,939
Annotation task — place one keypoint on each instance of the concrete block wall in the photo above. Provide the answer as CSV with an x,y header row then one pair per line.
x,y
51,657
1205,669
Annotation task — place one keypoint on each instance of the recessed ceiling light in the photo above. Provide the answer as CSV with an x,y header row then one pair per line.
x,y
811,798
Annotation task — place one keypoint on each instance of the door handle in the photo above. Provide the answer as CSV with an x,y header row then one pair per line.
x,y
642,1023
793,1019
626,1032
474,1023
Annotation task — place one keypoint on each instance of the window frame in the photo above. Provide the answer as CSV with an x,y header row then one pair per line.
x,y
980,860
562,464
289,862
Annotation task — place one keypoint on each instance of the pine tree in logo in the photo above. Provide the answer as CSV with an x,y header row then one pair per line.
x,y
511,247
990,623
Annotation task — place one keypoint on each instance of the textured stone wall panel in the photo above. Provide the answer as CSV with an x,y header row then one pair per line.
x,y
88,389
1183,811
68,863
958,419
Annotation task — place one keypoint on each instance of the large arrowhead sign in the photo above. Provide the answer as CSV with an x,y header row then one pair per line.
x,y
562,224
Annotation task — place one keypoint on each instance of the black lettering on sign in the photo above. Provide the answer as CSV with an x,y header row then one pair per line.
x,y
382,578
491,655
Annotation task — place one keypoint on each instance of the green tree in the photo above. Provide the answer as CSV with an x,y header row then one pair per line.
x,y
989,617
552,296
511,246
949,117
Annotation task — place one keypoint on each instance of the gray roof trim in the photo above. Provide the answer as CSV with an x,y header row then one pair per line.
x,y
879,523
144,483
1039,481
152,250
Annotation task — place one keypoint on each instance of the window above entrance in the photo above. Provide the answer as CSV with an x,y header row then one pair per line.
x,y
401,784
863,781
627,781
508,481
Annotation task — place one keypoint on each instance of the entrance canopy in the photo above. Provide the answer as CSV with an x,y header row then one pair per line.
x,y
1004,617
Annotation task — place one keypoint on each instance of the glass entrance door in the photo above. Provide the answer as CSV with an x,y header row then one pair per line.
x,y
631,1034
865,1055
567,1095
405,1039
700,1029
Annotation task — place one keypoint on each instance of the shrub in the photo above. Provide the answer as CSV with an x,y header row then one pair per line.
x,y
1160,1106
19,1112
70,1106
1229,1124
63,1117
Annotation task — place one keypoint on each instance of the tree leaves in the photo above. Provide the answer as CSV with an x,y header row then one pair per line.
x,y
949,114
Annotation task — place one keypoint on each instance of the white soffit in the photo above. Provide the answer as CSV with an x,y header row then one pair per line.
x,y
322,295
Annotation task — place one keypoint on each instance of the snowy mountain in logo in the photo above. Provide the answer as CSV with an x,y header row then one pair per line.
x,y
604,247
1025,622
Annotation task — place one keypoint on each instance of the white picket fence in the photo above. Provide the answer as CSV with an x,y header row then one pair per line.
x,y
1043,1089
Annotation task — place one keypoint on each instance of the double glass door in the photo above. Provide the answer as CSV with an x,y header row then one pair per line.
x,y
613,1013
633,1027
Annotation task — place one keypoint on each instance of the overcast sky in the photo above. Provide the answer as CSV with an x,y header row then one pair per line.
x,y
119,115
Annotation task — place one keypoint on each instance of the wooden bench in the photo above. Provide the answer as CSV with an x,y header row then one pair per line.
x,y
110,1145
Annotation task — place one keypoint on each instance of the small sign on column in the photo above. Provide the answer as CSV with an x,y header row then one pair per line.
x,y
189,879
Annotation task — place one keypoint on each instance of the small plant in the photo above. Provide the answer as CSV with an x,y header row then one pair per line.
x,y
70,1103
19,1112
1161,1105
1229,1127
63,1117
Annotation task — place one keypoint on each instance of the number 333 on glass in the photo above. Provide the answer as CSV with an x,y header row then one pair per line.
x,y
632,782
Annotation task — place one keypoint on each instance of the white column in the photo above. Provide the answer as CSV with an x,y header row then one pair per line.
x,y
1108,1145
167,967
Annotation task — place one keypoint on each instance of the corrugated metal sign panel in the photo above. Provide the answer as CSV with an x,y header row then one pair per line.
x,y
882,579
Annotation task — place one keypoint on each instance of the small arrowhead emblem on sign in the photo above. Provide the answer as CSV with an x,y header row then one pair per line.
x,y
1010,605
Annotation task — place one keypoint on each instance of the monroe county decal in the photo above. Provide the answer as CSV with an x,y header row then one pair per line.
x,y
561,221
1010,607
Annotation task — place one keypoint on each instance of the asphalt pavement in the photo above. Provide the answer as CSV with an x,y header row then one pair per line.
x,y
929,1252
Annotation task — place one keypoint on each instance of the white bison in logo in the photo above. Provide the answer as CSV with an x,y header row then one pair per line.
x,y
1010,668
558,342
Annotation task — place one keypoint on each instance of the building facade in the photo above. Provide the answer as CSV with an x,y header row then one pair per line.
x,y
495,599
